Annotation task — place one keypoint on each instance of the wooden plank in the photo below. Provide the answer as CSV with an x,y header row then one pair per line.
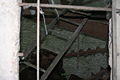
x,y
29,49
68,21
59,56
28,64
60,35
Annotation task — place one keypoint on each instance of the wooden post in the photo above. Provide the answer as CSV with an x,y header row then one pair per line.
x,y
9,39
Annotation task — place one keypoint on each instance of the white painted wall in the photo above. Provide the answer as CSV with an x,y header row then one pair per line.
x,y
118,46
118,41
110,45
9,39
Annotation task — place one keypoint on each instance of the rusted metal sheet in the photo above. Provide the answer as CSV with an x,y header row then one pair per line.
x,y
93,28
88,52
96,29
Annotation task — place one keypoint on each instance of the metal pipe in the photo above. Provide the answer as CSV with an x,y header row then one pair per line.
x,y
66,7
38,37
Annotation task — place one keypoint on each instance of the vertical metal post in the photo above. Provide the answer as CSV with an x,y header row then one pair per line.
x,y
114,41
38,37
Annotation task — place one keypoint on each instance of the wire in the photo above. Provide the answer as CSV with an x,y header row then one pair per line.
x,y
45,26
55,9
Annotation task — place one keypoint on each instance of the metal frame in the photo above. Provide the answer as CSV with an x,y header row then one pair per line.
x,y
38,5
67,7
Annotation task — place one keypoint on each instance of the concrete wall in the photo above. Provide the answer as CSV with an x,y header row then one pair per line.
x,y
9,39
117,39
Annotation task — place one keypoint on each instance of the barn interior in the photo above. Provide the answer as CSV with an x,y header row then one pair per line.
x,y
73,43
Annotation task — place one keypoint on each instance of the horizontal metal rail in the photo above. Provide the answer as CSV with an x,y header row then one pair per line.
x,y
67,7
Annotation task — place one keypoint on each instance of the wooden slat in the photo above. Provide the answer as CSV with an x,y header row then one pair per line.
x,y
28,64
59,56
71,22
